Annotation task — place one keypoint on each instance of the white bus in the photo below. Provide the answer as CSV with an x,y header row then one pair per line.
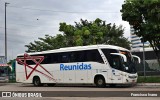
x,y
93,64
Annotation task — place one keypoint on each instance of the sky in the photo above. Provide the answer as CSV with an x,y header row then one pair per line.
x,y
29,19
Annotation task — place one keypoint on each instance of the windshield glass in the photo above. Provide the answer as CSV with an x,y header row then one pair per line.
x,y
130,64
128,55
117,62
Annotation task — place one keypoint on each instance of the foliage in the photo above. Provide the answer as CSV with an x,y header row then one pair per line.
x,y
80,34
94,32
144,17
47,43
10,61
149,79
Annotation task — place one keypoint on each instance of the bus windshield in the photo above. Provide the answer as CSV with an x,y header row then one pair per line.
x,y
117,62
130,63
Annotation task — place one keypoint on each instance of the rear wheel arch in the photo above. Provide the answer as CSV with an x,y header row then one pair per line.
x,y
36,81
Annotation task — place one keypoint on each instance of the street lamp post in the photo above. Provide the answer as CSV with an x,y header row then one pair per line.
x,y
144,59
5,33
144,65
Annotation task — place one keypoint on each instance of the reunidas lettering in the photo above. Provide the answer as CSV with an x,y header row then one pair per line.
x,y
78,66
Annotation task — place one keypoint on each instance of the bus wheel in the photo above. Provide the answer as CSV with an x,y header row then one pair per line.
x,y
37,81
51,84
100,81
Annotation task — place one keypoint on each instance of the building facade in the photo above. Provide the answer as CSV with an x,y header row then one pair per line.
x,y
136,41
151,64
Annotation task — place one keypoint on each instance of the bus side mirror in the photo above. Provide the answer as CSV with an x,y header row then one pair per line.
x,y
122,55
139,60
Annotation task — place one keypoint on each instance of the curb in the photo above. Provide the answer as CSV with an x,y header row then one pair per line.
x,y
148,84
1,84
138,84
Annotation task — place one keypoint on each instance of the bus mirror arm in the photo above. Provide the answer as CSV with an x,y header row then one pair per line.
x,y
139,60
122,55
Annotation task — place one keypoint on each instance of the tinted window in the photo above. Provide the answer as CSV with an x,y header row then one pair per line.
x,y
116,62
65,57
86,55
78,56
29,62
110,57
93,55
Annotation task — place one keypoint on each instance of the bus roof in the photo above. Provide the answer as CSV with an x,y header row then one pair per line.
x,y
77,48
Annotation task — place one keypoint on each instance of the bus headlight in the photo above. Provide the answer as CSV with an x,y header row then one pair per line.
x,y
132,76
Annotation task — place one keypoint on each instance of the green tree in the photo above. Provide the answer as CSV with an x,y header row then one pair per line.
x,y
144,16
80,34
47,43
94,32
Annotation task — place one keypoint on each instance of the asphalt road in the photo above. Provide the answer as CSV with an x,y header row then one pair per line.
x,y
83,92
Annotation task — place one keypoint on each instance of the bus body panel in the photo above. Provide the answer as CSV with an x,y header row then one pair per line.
x,y
63,76
59,73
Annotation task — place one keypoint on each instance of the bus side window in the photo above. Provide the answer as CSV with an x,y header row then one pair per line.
x,y
108,55
55,57
116,62
65,57
98,57
49,59
77,56
93,55
30,62
73,56
46,58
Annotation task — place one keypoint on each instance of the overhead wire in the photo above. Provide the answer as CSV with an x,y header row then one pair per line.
x,y
56,11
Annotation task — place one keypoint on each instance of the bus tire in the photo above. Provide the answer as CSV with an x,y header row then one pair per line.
x,y
51,84
100,81
37,81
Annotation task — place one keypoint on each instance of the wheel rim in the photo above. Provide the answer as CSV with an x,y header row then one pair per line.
x,y
100,82
36,82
